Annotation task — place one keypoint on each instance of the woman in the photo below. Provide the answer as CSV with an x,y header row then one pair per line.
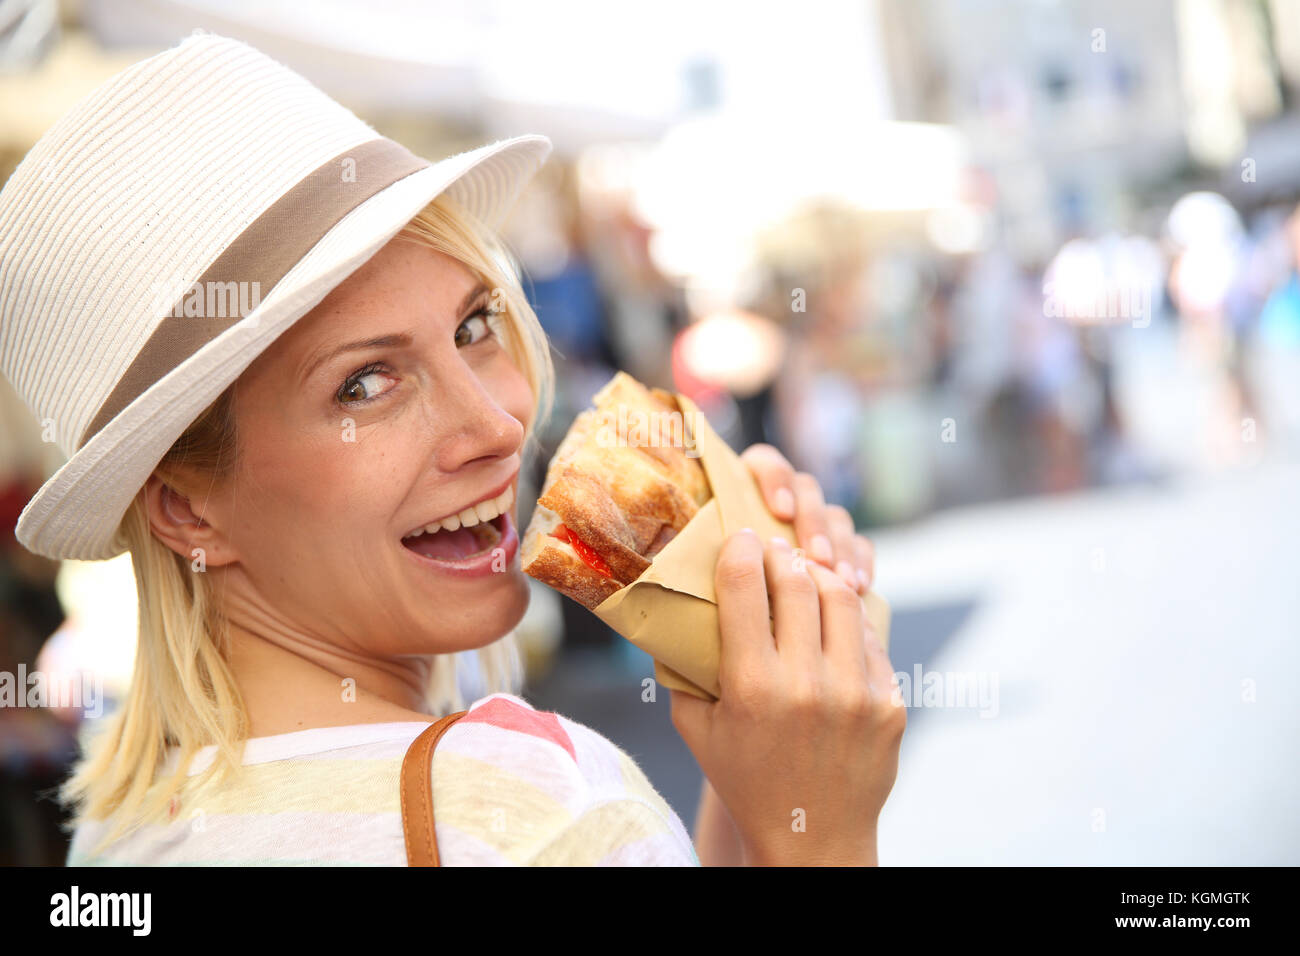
x,y
296,629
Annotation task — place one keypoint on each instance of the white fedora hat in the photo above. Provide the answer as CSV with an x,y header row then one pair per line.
x,y
163,233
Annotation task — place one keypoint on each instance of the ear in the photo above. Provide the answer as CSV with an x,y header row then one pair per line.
x,y
177,524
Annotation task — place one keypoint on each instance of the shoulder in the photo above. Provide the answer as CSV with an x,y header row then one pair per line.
x,y
513,784
541,751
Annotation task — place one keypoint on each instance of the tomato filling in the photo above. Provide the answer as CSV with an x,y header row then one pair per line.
x,y
584,550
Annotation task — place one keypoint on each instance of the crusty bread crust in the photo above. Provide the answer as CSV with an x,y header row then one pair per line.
x,y
625,499
580,433
667,449
585,506
556,564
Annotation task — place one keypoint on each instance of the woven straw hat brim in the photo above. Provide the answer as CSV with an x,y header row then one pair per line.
x,y
77,512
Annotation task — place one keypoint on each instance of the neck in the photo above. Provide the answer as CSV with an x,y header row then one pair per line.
x,y
291,682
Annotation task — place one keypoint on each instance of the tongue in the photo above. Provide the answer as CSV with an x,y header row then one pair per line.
x,y
454,545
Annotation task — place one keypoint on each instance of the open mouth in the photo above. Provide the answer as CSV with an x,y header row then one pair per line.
x,y
461,544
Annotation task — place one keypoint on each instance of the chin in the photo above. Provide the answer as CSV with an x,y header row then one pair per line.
x,y
510,603
482,618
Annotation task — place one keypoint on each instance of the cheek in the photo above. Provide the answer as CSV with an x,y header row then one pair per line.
x,y
322,483
507,384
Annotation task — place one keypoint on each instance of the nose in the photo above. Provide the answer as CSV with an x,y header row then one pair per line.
x,y
472,424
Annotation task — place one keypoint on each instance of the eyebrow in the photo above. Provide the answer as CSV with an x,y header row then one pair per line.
x,y
394,340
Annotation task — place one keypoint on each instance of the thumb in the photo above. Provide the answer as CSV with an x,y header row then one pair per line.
x,y
690,716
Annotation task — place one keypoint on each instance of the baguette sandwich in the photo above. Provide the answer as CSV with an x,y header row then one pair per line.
x,y
623,482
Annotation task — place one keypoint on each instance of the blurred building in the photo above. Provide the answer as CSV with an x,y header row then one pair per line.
x,y
900,239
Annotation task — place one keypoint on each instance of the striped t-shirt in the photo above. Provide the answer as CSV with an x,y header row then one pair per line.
x,y
511,786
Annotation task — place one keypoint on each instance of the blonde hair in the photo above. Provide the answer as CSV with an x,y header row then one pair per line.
x,y
182,693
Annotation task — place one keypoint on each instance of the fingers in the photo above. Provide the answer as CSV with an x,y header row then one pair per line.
x,y
817,619
848,558
775,476
743,616
796,611
866,560
842,626
880,672
828,534
810,522
825,532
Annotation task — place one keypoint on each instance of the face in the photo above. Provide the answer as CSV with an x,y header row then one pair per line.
x,y
392,406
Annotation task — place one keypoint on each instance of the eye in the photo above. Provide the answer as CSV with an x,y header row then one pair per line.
x,y
474,329
362,385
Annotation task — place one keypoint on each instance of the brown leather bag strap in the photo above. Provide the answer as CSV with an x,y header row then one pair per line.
x,y
417,794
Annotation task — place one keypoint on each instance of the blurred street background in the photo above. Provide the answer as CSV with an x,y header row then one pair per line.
x,y
1017,281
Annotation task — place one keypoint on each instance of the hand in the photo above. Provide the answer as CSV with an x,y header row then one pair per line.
x,y
802,745
825,532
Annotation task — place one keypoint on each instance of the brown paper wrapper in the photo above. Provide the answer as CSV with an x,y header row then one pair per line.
x,y
671,610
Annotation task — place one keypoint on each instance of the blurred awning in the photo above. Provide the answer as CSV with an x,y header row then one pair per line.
x,y
490,66
353,51
714,185
745,166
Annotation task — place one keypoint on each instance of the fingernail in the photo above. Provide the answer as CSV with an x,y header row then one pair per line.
x,y
746,530
862,579
846,571
821,549
780,541
785,501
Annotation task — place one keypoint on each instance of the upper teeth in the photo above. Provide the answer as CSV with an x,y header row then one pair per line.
x,y
483,511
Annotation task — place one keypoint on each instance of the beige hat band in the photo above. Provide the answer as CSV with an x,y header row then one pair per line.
x,y
256,261
140,278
